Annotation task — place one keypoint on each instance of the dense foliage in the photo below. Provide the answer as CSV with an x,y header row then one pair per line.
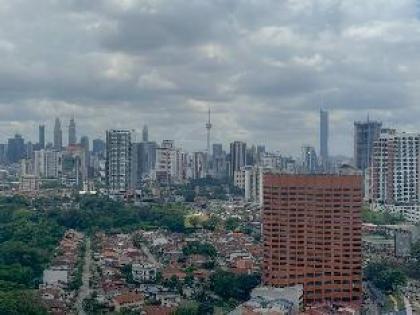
x,y
99,213
27,241
385,277
380,218
198,248
30,232
229,285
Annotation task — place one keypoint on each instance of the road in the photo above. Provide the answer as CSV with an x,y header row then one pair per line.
x,y
84,290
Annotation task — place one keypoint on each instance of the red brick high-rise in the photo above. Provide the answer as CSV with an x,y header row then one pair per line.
x,y
312,235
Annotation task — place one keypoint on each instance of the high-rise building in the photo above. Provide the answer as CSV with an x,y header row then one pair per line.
x,y
84,142
16,149
395,168
365,135
250,179
118,161
217,150
309,159
145,134
98,146
3,153
58,135
237,157
147,158
41,137
312,235
48,164
72,132
324,134
198,165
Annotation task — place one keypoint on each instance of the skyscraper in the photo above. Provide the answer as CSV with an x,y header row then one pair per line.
x,y
312,235
323,145
365,135
98,146
309,159
237,157
217,150
84,142
16,149
58,135
118,161
41,135
72,132
145,134
395,168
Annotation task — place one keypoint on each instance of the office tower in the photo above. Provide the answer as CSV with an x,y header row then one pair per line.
x,y
323,147
41,137
58,135
3,153
118,161
198,165
217,150
237,157
16,149
260,153
145,134
29,150
395,168
309,159
147,158
365,135
165,165
98,147
250,180
312,235
48,164
84,142
85,145
72,132
251,155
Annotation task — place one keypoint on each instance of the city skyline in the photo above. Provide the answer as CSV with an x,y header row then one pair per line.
x,y
263,72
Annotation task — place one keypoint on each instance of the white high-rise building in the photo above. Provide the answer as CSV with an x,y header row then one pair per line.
x,y
250,179
118,161
48,164
171,163
395,169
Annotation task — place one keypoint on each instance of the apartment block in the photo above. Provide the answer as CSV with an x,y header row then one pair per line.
x,y
312,235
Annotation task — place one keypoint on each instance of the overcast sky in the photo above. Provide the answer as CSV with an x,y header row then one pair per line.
x,y
265,67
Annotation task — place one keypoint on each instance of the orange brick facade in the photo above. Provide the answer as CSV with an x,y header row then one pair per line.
x,y
312,235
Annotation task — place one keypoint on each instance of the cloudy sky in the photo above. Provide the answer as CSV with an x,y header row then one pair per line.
x,y
265,67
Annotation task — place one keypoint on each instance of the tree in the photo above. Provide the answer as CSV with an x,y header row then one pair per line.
x,y
189,308
385,277
415,251
232,224
229,285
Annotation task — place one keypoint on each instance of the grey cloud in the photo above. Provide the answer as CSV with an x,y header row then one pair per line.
x,y
264,66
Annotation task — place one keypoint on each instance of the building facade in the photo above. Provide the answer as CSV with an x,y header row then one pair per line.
x,y
41,137
118,161
309,160
312,235
323,139
237,157
48,164
72,132
395,168
365,135
58,135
